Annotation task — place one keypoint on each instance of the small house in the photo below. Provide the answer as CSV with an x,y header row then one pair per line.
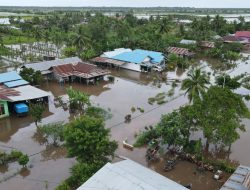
x,y
126,175
243,36
14,90
182,52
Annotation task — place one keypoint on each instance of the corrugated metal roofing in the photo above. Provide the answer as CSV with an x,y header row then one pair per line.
x,y
16,83
28,93
126,175
9,76
138,56
177,50
5,92
84,70
46,65
239,180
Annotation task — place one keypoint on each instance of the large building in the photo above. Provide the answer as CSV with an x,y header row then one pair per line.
x,y
14,90
136,60
128,175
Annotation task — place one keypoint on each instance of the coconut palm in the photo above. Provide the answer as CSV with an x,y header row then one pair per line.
x,y
81,41
195,85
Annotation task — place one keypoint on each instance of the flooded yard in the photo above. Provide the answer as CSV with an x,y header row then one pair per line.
x,y
48,166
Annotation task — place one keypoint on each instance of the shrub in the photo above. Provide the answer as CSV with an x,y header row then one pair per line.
x,y
23,160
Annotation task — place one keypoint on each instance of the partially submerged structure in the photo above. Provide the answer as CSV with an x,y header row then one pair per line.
x,y
136,60
44,67
239,180
242,37
126,175
182,52
80,71
207,44
14,90
68,69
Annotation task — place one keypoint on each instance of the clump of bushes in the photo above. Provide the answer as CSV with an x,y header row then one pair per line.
x,y
145,137
13,156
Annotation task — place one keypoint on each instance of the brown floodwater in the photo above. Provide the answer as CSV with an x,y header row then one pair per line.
x,y
49,165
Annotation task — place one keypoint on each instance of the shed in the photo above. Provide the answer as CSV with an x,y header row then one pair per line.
x,y
127,174
184,52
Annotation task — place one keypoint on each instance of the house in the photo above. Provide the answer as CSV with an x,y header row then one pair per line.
x,y
136,60
231,39
13,90
44,67
85,71
207,44
243,35
182,52
188,42
127,174
239,180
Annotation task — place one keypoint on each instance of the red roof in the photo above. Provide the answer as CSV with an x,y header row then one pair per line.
x,y
231,39
243,34
84,70
5,92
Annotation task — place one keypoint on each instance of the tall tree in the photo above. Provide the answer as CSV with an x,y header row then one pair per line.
x,y
195,85
88,140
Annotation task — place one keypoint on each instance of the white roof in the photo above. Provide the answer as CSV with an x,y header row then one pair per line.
x,y
28,92
126,175
110,54
46,65
187,42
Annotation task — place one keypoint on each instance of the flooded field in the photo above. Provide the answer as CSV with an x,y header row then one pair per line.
x,y
48,165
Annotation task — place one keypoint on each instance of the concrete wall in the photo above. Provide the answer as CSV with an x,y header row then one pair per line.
x,y
132,66
6,109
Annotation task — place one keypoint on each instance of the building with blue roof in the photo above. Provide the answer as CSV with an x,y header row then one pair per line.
x,y
137,60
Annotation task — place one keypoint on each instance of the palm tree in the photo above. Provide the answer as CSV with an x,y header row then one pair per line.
x,y
81,41
195,84
164,26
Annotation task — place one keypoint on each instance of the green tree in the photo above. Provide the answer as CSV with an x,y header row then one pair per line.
x,y
36,112
77,99
195,85
87,139
23,160
172,129
33,77
218,115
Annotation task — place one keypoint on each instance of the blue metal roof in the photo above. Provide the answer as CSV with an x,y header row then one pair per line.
x,y
138,56
16,83
10,76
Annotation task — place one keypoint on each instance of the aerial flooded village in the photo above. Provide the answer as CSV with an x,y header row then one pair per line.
x,y
124,95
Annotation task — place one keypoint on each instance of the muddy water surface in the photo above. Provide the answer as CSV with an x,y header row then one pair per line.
x,y
49,166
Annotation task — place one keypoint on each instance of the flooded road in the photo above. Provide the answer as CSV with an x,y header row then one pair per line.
x,y
49,165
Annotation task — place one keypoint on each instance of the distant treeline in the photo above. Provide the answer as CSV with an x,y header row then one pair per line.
x,y
154,10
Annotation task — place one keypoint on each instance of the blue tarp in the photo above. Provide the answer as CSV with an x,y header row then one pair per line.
x,y
10,76
21,108
138,56
16,83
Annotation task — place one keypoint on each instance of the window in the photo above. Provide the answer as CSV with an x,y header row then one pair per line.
x,y
2,110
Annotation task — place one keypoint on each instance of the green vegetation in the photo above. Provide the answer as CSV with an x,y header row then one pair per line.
x,y
33,77
53,131
77,99
13,156
23,160
36,112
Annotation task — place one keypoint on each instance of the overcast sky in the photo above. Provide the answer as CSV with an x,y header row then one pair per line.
x,y
132,3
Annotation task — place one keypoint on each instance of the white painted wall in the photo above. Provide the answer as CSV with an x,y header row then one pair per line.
x,y
132,66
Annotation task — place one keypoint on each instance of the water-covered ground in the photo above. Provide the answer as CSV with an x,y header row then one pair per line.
x,y
49,165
